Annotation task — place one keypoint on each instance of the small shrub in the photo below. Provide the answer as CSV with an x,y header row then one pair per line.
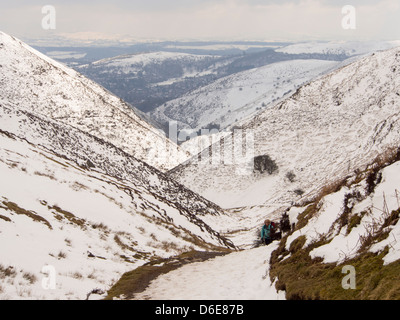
x,y
212,126
30,277
299,192
373,179
265,163
96,291
101,226
61,255
291,176
7,272
77,275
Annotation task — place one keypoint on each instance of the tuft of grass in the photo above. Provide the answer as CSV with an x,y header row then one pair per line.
x,y
60,214
61,255
377,230
30,277
102,227
306,215
6,272
121,244
47,175
354,221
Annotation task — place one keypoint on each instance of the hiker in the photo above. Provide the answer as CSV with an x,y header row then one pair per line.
x,y
285,222
267,231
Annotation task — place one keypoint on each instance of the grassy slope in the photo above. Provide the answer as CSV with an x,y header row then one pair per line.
x,y
305,278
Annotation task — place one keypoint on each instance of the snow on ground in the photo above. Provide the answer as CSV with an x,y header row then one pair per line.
x,y
29,248
52,214
237,276
384,200
51,211
331,208
198,143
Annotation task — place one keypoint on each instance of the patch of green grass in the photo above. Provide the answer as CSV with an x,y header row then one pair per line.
x,y
306,215
304,278
354,221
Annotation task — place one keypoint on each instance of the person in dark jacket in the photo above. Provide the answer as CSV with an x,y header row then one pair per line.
x,y
266,232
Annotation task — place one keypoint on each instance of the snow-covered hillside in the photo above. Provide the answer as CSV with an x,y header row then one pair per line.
x,y
325,130
136,63
38,84
75,203
240,95
146,80
365,203
345,244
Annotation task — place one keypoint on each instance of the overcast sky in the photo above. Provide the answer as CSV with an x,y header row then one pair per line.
x,y
205,19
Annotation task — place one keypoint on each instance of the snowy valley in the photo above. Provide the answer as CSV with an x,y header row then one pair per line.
x,y
324,131
93,196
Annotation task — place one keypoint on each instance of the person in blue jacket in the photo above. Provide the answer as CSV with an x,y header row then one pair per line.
x,y
266,232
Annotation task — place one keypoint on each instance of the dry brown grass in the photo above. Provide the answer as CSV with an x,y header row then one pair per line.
x,y
13,207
